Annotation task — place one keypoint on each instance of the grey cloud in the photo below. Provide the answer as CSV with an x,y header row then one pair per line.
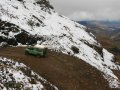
x,y
88,9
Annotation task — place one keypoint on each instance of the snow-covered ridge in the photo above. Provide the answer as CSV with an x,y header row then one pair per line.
x,y
49,28
14,76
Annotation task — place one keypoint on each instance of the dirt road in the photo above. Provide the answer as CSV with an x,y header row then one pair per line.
x,y
66,72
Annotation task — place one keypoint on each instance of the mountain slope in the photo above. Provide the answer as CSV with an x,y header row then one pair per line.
x,y
64,71
17,76
35,22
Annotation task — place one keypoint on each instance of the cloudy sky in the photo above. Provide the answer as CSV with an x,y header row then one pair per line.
x,y
88,9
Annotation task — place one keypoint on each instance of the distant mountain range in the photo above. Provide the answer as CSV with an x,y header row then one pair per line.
x,y
110,29
112,25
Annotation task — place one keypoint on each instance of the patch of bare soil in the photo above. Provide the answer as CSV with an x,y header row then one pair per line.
x,y
66,72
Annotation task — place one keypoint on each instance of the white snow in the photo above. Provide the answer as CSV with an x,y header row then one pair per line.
x,y
109,59
14,73
60,34
40,46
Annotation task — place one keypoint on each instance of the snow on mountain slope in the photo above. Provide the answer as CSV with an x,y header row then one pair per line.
x,y
17,76
40,24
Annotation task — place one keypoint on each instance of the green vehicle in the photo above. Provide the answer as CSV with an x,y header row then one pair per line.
x,y
41,52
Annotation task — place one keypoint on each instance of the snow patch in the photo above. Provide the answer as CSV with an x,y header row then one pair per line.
x,y
14,75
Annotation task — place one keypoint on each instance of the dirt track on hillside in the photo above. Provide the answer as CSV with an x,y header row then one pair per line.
x,y
66,72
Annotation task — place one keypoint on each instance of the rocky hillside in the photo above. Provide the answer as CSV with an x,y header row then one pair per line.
x,y
24,22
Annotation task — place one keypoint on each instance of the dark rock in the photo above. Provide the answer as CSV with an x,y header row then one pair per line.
x,y
75,49
2,39
12,41
24,38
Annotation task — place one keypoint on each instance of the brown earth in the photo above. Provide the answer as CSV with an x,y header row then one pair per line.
x,y
66,72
